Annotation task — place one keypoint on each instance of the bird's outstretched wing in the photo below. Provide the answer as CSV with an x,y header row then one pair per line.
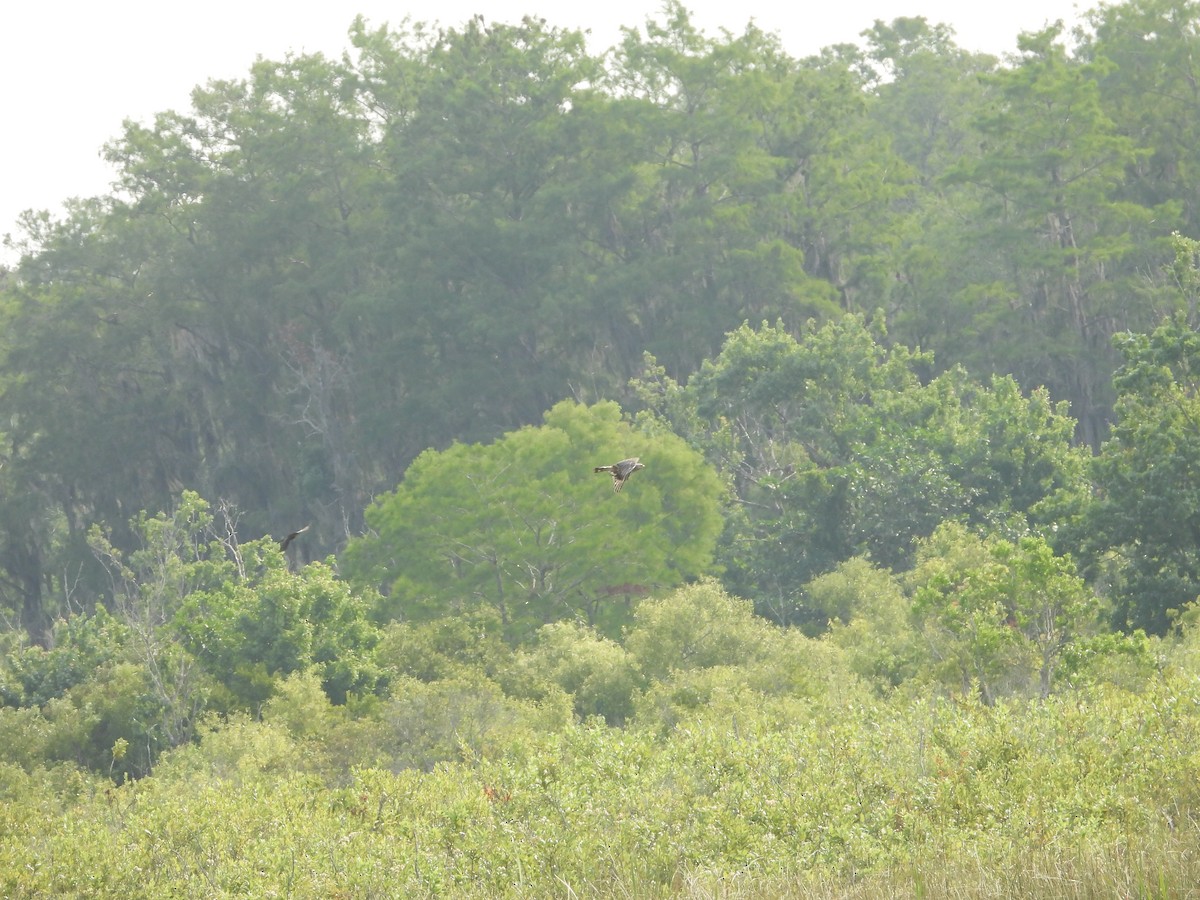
x,y
621,471
283,545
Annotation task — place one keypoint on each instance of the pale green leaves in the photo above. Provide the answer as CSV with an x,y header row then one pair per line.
x,y
525,526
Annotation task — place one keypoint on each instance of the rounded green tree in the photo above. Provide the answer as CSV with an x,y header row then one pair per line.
x,y
525,526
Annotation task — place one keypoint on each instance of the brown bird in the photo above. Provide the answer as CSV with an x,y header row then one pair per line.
x,y
621,471
283,545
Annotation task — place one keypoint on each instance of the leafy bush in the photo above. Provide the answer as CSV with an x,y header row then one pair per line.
x,y
280,624
425,723
598,674
34,675
696,627
777,796
448,646
871,621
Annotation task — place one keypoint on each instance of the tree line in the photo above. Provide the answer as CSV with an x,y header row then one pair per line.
x,y
875,289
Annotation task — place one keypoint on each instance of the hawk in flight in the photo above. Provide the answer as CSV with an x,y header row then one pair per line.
x,y
622,470
283,545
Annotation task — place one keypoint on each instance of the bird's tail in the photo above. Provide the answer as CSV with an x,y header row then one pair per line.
x,y
603,469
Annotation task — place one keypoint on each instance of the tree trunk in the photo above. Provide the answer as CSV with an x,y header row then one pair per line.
x,y
23,561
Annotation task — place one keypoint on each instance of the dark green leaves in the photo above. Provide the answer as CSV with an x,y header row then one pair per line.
x,y
1143,527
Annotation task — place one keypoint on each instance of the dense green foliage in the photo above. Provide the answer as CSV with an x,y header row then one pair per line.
x,y
325,268
903,602
751,765
838,448
514,526
1143,530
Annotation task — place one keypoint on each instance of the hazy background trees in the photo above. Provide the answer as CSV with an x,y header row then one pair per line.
x,y
841,305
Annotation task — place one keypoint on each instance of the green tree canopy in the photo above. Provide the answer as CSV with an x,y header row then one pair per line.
x,y
998,614
194,593
524,525
251,633
838,447
1141,533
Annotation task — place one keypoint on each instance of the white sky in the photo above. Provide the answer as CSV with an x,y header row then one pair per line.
x,y
72,70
